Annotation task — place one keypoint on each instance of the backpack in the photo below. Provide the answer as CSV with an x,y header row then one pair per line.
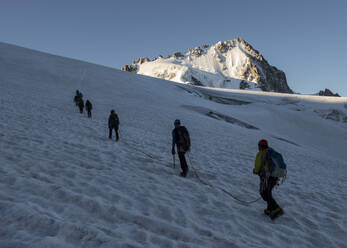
x,y
113,120
277,166
183,138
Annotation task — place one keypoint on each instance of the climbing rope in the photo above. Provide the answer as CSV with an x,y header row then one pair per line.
x,y
223,190
197,176
138,150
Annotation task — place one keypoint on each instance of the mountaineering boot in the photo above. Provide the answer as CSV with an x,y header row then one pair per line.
x,y
276,213
266,211
185,173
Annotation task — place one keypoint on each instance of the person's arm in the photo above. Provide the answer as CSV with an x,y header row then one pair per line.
x,y
117,119
188,139
257,164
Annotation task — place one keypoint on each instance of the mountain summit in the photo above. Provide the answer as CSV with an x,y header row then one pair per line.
x,y
233,64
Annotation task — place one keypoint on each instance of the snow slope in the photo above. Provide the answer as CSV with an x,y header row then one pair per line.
x,y
64,184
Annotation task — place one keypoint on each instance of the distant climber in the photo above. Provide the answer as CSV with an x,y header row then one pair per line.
x,y
180,138
267,180
89,108
77,97
113,123
81,105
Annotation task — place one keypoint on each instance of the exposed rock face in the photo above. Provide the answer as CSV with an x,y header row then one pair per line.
x,y
271,79
130,68
333,114
178,55
228,64
142,60
327,92
197,51
223,47
244,85
196,81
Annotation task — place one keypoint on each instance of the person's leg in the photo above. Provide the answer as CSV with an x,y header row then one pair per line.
x,y
183,163
110,133
264,191
271,201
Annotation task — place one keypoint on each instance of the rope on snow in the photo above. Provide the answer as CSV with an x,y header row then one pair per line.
x,y
223,190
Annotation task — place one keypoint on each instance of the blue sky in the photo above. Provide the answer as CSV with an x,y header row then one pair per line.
x,y
305,39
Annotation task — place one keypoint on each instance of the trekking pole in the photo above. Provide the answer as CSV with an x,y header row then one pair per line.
x,y
174,164
106,130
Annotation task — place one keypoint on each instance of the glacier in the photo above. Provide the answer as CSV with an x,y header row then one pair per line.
x,y
63,183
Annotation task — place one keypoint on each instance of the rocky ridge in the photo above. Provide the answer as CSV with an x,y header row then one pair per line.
x,y
225,64
327,92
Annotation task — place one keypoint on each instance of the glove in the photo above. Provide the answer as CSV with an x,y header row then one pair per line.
x,y
254,172
173,151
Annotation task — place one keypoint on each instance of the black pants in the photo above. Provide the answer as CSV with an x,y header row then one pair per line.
x,y
110,133
266,192
183,162
89,113
81,109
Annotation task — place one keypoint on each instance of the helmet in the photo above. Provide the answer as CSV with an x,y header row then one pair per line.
x,y
263,143
177,122
112,111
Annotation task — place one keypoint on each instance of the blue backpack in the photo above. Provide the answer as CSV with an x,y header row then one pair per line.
x,y
277,166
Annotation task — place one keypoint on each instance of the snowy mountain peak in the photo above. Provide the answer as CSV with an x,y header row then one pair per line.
x,y
231,64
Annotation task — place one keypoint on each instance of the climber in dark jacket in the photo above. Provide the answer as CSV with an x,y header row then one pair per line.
x,y
77,97
81,105
89,108
180,138
113,123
